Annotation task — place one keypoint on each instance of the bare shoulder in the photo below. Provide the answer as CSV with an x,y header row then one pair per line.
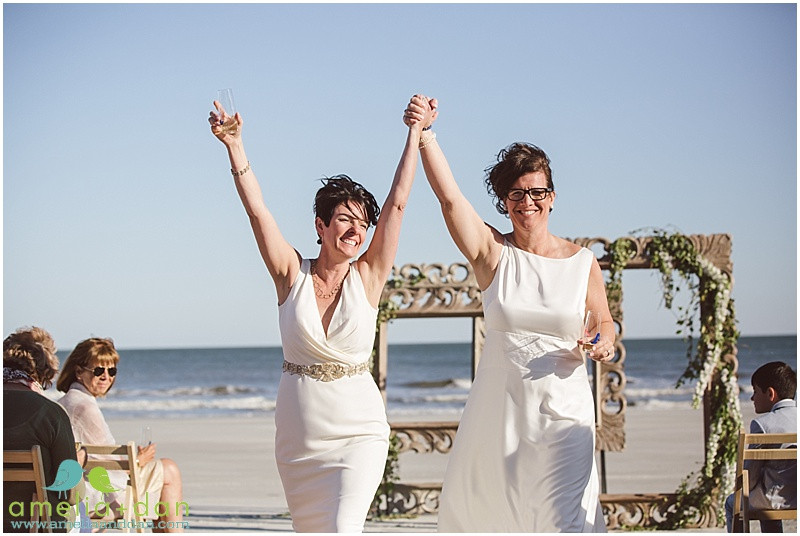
x,y
491,256
498,238
372,278
283,285
564,248
485,264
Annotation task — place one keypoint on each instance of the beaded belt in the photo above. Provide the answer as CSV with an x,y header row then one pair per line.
x,y
325,372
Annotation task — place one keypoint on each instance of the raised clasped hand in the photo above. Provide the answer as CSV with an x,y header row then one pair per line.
x,y
421,112
221,124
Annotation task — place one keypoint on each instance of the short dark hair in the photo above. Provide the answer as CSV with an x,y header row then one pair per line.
x,y
339,190
777,375
513,162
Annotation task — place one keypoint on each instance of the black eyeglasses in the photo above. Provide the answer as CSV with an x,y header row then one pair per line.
x,y
98,371
537,194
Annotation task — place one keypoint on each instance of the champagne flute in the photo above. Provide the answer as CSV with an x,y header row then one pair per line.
x,y
147,436
228,110
591,330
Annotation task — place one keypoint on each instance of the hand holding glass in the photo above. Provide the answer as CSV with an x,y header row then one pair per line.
x,y
591,330
227,110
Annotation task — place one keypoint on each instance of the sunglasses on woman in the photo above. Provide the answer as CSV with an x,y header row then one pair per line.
x,y
98,371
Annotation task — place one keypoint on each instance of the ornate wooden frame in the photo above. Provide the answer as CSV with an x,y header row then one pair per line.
x,y
452,291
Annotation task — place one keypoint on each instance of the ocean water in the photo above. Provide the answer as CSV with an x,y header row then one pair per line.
x,y
428,379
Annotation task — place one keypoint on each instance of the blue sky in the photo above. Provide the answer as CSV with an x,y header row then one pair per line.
x,y
120,218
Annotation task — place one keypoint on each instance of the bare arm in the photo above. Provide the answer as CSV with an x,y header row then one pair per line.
x,y
596,301
282,261
376,263
478,242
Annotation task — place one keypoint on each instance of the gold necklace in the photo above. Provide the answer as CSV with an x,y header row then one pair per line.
x,y
318,290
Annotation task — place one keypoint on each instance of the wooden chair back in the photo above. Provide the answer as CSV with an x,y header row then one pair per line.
x,y
126,461
34,474
750,449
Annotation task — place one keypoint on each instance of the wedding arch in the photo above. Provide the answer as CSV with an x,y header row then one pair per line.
x,y
700,264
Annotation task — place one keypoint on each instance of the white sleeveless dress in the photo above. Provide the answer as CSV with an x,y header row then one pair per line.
x,y
523,458
332,437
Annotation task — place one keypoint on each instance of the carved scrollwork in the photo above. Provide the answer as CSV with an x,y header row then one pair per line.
x,y
729,360
647,511
412,499
611,435
625,511
615,384
425,436
612,402
437,274
620,511
716,248
442,290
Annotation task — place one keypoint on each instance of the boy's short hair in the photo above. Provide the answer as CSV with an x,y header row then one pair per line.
x,y
777,375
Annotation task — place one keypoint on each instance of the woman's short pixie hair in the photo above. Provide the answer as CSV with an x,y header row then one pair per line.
x,y
32,351
340,189
94,352
513,162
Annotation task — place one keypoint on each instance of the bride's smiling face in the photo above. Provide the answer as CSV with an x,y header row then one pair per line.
x,y
347,230
527,212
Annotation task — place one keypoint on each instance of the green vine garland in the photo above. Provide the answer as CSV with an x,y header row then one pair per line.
x,y
675,255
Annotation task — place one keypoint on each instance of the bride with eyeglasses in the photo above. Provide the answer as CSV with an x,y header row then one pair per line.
x,y
523,456
89,373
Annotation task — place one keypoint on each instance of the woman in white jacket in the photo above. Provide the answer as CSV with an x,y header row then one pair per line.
x,y
90,372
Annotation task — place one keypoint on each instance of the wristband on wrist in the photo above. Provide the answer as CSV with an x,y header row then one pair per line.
x,y
241,172
424,141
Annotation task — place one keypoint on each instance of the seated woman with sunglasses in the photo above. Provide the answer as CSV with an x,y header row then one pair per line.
x,y
89,372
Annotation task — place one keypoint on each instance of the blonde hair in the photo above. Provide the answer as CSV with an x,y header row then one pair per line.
x,y
94,350
32,351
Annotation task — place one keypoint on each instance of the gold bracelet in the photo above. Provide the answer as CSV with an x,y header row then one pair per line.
x,y
423,142
242,172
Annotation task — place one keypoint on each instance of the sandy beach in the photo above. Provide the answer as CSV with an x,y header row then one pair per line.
x,y
231,480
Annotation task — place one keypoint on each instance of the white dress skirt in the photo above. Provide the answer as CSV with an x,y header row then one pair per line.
x,y
332,436
523,458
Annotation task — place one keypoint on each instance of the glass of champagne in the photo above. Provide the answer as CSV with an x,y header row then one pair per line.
x,y
228,110
591,330
147,436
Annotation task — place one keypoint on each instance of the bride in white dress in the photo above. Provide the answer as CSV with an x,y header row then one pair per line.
x,y
523,457
332,436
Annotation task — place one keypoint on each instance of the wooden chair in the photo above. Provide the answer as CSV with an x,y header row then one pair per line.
x,y
126,462
34,474
749,450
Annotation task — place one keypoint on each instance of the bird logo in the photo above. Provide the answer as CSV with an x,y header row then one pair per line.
x,y
68,475
98,478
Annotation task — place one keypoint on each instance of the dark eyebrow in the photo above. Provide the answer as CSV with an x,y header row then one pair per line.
x,y
529,189
353,215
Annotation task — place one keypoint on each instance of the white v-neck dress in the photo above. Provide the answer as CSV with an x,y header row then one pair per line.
x,y
332,437
523,458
